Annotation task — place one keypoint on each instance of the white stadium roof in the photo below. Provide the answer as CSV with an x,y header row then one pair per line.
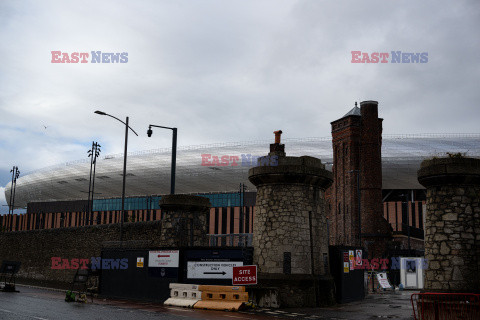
x,y
148,172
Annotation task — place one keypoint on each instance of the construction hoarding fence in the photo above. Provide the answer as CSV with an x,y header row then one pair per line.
x,y
148,273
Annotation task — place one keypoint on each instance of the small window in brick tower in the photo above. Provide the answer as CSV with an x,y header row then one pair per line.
x,y
339,208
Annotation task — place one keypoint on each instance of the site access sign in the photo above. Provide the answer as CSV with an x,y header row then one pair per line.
x,y
244,275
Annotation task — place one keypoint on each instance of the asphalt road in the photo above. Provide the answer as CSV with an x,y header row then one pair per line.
x,y
33,303
41,304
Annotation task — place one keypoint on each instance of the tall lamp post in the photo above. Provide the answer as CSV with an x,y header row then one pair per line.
x,y
15,174
174,153
124,165
93,153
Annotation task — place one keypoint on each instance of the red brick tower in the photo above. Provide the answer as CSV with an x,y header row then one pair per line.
x,y
346,133
357,168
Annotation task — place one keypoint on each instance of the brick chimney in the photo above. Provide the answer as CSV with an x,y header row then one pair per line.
x,y
277,149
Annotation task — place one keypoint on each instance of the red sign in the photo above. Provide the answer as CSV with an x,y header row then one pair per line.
x,y
244,275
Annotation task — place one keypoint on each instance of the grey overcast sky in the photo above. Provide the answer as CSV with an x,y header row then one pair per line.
x,y
226,71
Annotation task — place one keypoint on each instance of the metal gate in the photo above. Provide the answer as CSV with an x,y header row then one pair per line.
x,y
134,281
129,273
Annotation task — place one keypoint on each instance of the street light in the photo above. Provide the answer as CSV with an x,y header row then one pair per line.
x,y
15,174
124,165
93,153
174,153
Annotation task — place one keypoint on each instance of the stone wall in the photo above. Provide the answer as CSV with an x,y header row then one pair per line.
x,y
282,224
452,224
290,215
294,290
35,248
185,220
452,236
290,233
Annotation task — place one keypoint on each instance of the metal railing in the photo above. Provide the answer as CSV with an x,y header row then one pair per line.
x,y
130,244
443,306
231,240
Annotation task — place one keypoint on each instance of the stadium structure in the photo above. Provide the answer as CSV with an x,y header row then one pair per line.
x,y
56,196
148,172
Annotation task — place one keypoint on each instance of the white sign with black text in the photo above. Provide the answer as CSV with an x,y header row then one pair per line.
x,y
163,258
211,269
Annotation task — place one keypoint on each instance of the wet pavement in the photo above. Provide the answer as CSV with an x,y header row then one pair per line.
x,y
384,305
43,304
40,304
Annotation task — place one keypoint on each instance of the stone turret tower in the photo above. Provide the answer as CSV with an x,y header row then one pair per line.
x,y
290,228
452,223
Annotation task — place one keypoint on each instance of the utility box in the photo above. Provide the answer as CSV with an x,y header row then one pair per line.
x,y
346,269
412,272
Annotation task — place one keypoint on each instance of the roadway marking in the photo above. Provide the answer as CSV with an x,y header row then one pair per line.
x,y
22,315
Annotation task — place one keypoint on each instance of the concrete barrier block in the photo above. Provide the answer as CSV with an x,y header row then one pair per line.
x,y
186,294
222,298
183,295
180,302
184,286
